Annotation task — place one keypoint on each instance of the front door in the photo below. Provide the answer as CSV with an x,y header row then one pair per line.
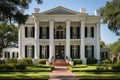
x,y
59,52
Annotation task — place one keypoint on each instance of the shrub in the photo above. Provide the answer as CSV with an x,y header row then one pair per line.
x,y
77,61
2,66
106,61
92,61
20,66
116,67
9,66
42,61
2,61
12,61
27,61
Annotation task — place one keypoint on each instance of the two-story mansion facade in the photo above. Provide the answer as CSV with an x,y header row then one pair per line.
x,y
60,33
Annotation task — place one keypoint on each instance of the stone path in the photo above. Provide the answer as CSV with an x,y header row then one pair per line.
x,y
61,73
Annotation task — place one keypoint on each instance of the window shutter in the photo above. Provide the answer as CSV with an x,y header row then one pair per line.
x,y
86,52
33,32
47,32
25,51
40,32
78,32
92,51
71,32
85,32
47,51
78,51
92,32
40,54
71,51
33,51
26,28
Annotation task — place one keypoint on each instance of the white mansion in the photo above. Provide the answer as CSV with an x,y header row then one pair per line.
x,y
60,33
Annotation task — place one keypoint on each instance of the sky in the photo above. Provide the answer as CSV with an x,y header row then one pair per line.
x,y
91,5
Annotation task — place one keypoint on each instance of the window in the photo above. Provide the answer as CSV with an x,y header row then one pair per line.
x,y
29,51
44,52
29,31
89,51
89,32
75,32
44,32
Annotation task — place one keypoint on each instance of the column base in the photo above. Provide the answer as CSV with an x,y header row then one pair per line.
x,y
98,61
83,61
35,61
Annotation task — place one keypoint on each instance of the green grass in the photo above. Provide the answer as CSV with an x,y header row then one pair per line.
x,y
98,75
41,72
25,75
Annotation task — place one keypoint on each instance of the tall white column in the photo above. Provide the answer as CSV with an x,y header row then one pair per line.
x,y
83,42
98,43
36,39
20,41
51,36
68,38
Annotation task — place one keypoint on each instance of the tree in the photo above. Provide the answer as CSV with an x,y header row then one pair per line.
x,y
9,10
102,44
111,15
8,35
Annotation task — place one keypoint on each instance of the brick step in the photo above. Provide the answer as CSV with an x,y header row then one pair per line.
x,y
60,63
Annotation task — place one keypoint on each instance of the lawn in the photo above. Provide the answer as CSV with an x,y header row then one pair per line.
x,y
98,75
41,72
91,72
25,75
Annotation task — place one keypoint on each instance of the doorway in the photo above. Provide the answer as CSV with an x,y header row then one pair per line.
x,y
59,52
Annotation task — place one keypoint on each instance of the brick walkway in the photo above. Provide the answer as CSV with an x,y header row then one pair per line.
x,y
61,73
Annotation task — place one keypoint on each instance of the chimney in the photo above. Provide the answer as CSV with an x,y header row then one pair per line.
x,y
97,12
36,10
82,10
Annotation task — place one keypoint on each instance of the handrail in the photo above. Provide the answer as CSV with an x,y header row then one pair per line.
x,y
51,59
69,60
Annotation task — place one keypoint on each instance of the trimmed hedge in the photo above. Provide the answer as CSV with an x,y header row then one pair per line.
x,y
42,61
27,61
77,61
92,61
2,61
12,61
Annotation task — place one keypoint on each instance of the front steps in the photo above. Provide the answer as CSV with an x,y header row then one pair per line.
x,y
60,62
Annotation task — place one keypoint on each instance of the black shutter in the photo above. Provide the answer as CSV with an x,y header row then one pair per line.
x,y
71,51
5,54
33,32
92,32
71,32
26,32
40,32
78,32
86,52
47,51
25,51
92,51
47,32
78,51
40,54
33,51
17,55
13,55
85,31
8,54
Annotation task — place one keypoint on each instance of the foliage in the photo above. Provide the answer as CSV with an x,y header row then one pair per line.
x,y
115,48
116,66
12,61
27,61
20,66
106,61
92,61
9,10
77,61
9,66
42,61
111,15
2,61
102,44
8,35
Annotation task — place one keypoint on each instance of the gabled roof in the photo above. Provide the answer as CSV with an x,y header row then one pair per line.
x,y
59,10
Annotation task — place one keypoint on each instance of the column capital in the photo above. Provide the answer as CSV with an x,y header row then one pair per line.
x,y
68,21
51,21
